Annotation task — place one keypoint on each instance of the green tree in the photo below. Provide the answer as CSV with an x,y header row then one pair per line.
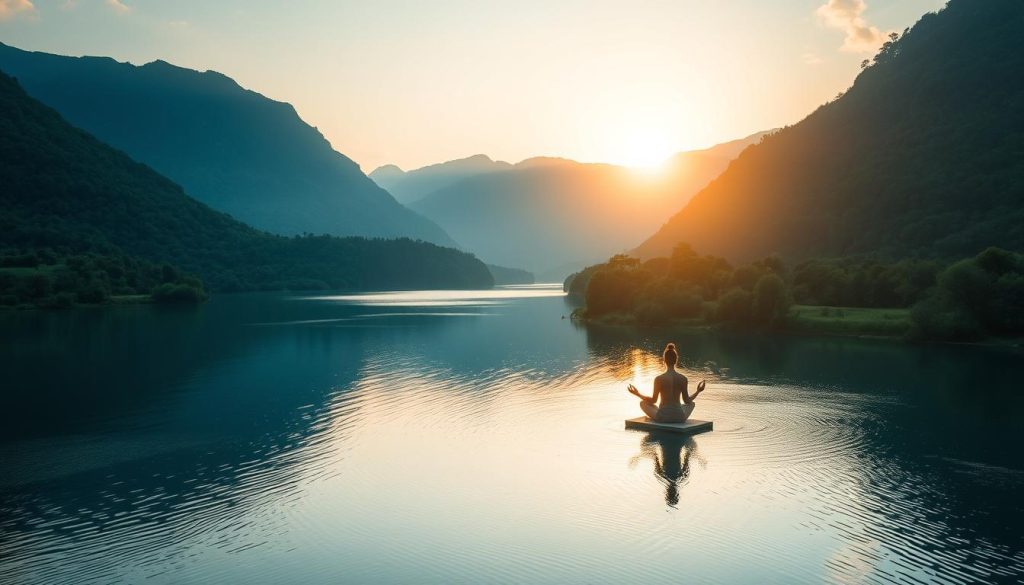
x,y
771,300
735,306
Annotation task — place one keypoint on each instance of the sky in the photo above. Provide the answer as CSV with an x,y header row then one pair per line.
x,y
415,83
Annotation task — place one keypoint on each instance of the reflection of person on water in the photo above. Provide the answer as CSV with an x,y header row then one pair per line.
x,y
672,464
669,387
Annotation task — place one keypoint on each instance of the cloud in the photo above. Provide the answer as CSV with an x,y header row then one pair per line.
x,y
119,6
811,59
11,9
845,15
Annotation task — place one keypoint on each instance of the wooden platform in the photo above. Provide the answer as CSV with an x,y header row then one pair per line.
x,y
690,427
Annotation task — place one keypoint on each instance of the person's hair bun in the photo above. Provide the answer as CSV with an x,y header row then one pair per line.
x,y
671,355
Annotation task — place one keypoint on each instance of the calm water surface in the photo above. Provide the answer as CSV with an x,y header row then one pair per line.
x,y
476,437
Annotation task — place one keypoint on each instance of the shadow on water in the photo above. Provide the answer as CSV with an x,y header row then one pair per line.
x,y
138,417
147,426
670,454
66,368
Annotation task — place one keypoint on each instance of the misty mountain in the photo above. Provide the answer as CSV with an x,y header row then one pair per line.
x,y
229,147
417,184
503,275
923,156
386,175
552,215
66,193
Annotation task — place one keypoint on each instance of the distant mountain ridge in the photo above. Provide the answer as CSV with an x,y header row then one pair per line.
x,y
554,215
922,156
386,175
411,186
505,276
230,147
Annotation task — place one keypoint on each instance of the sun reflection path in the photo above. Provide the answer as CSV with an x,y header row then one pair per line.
x,y
445,298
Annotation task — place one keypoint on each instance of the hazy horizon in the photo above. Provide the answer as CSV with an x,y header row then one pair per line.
x,y
414,86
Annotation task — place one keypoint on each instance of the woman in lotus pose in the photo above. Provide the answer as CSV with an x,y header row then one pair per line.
x,y
670,387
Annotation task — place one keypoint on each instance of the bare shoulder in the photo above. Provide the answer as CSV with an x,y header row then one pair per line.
x,y
684,379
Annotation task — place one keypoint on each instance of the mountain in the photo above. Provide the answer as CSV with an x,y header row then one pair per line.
x,y
727,150
503,275
546,214
66,193
231,148
922,156
386,175
411,186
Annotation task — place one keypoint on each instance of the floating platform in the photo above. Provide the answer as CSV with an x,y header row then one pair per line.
x,y
690,427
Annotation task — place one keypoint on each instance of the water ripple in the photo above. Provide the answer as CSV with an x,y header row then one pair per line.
x,y
492,451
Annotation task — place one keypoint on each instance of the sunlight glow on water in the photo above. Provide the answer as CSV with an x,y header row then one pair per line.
x,y
461,449
445,298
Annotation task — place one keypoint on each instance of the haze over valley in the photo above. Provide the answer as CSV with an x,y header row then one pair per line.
x,y
553,216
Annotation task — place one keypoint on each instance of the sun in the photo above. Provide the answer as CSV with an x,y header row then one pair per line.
x,y
646,149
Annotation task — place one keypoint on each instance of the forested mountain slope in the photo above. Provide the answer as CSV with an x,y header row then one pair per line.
x,y
923,156
67,193
231,148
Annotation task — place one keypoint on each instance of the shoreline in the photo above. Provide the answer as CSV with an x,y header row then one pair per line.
x,y
113,301
692,326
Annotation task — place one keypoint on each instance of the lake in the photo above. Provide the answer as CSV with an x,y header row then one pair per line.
x,y
477,437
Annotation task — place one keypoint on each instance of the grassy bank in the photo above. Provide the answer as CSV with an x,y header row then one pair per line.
x,y
848,321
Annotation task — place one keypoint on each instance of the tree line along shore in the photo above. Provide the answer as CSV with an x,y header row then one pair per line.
x,y
970,299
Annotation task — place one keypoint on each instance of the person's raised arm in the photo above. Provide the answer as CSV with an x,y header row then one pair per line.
x,y
654,398
687,399
700,388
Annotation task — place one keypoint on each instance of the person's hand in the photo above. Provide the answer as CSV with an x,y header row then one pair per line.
x,y
632,390
700,387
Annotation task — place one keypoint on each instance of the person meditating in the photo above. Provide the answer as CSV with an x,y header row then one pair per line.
x,y
669,387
